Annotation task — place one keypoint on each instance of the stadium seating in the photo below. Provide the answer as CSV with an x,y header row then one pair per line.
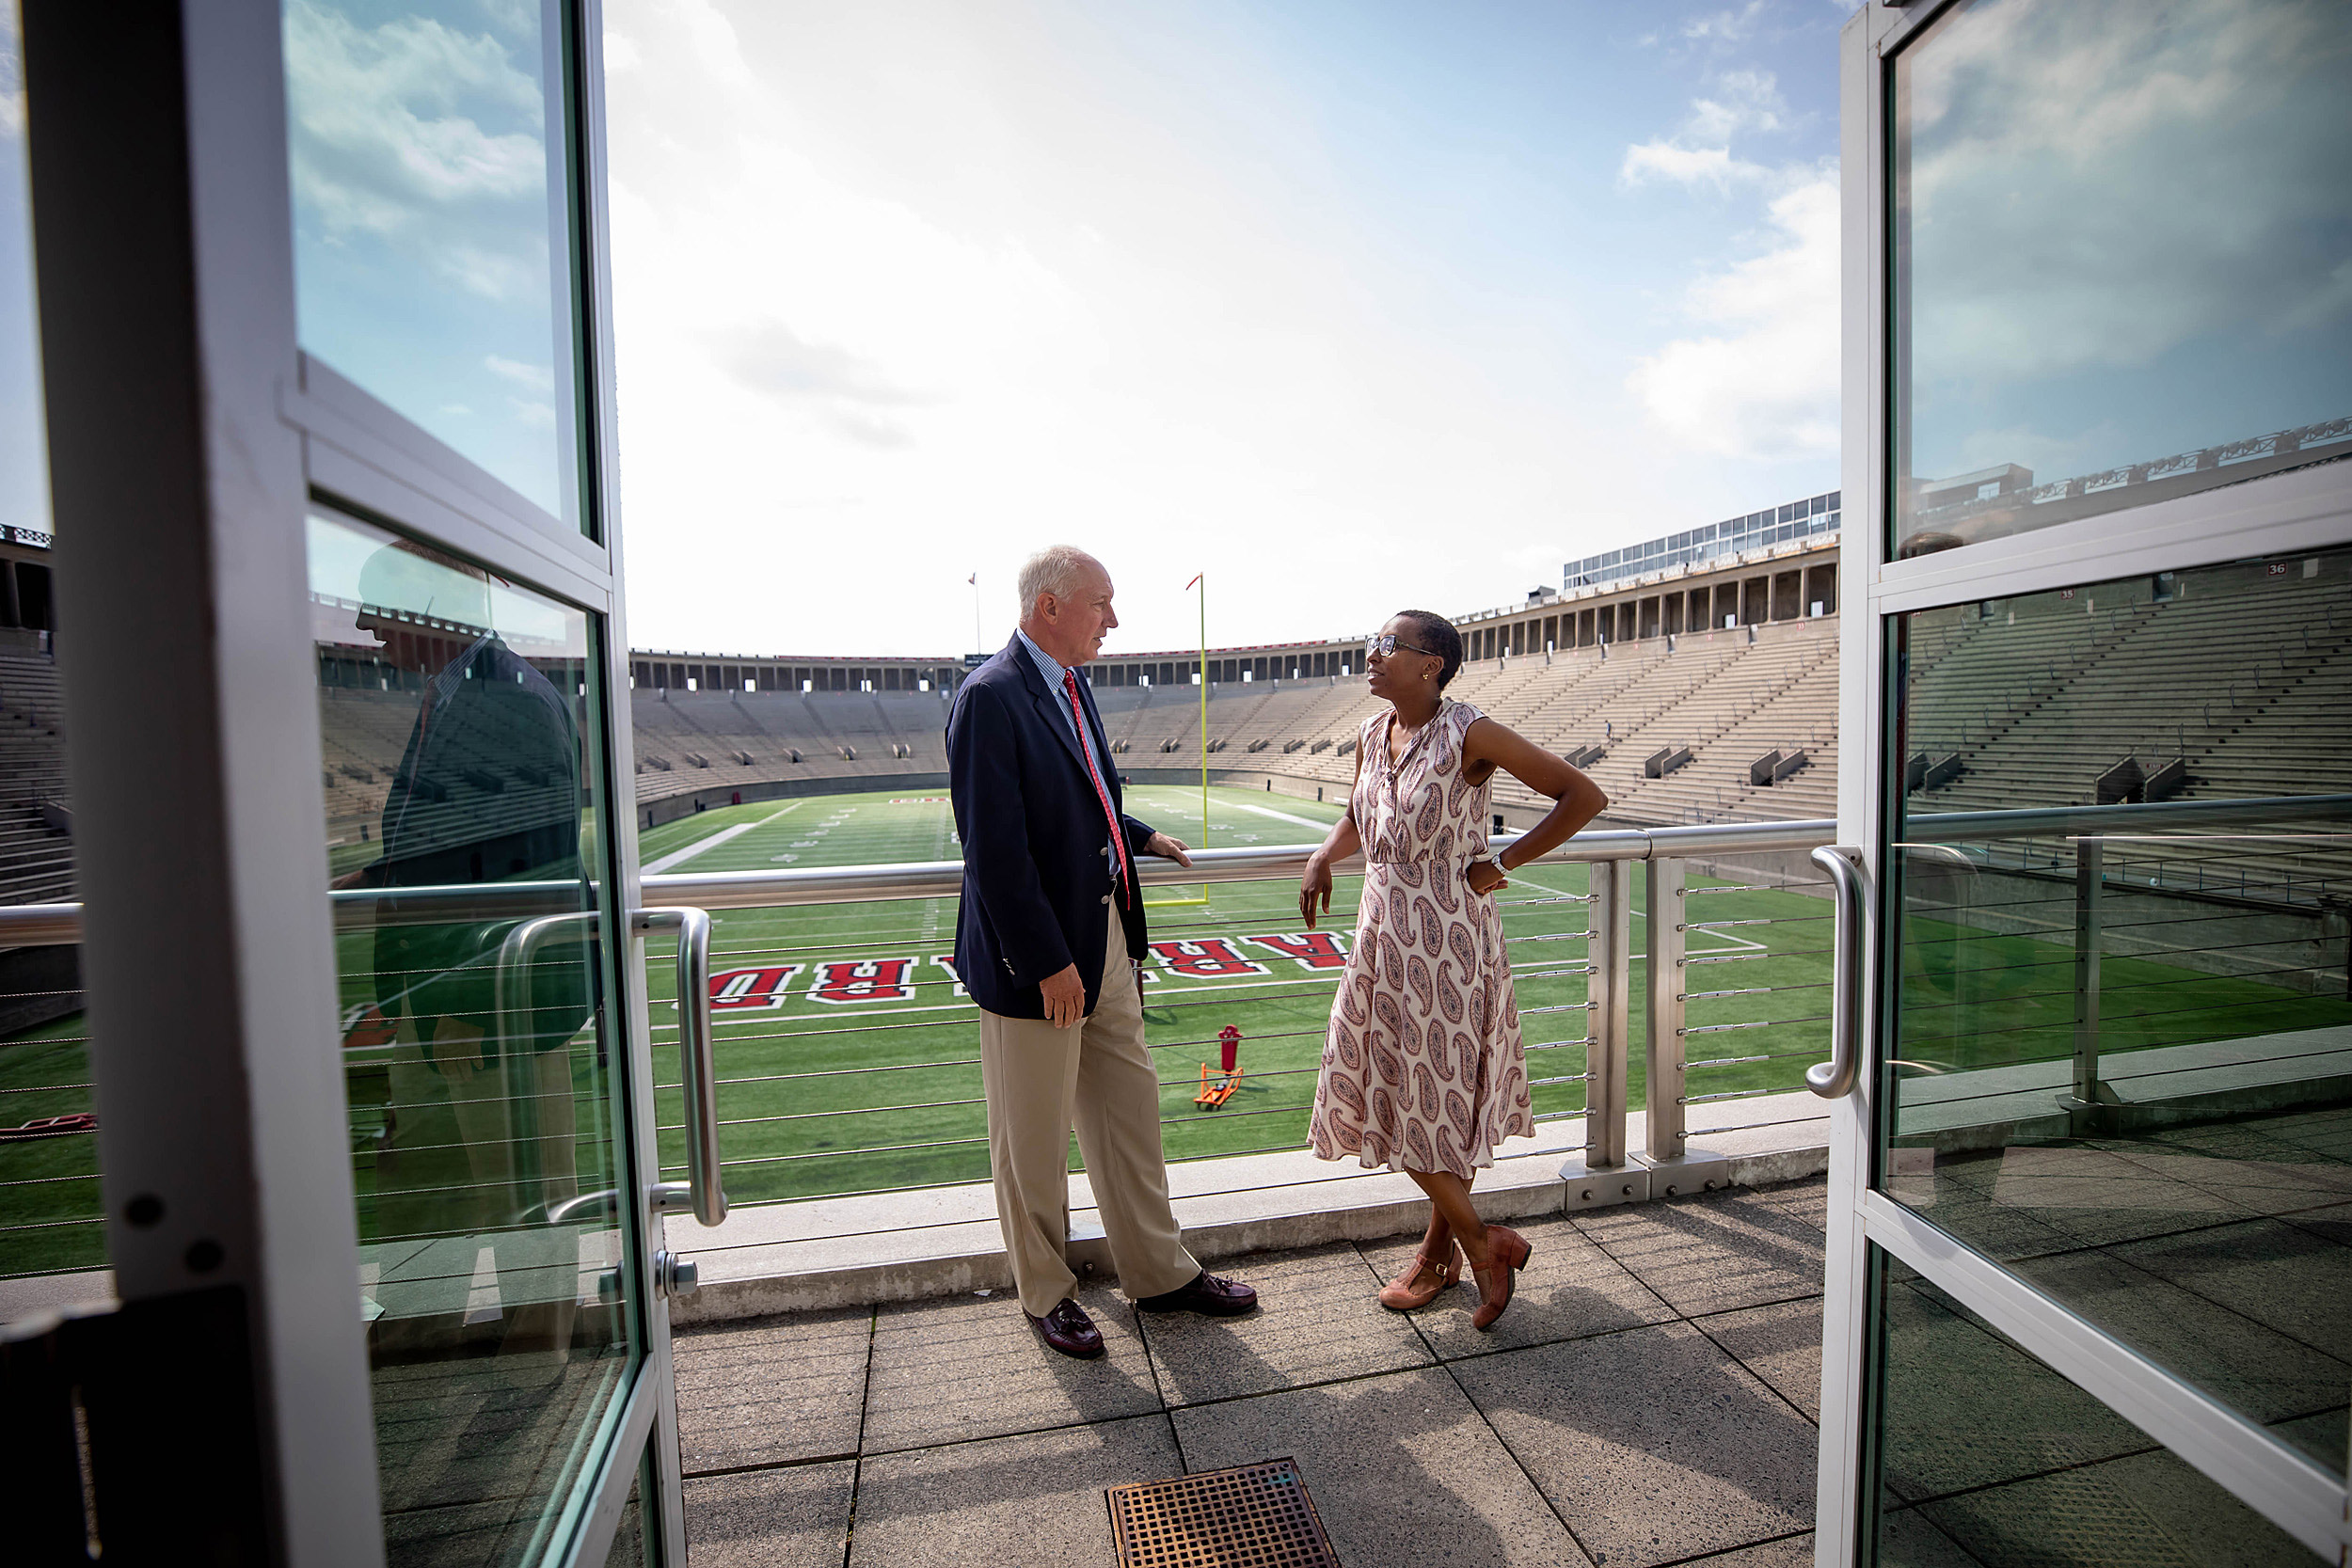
x,y
36,859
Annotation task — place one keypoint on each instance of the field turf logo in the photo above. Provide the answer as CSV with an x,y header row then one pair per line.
x,y
867,980
857,982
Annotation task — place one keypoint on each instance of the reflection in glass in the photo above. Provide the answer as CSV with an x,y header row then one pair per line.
x,y
2122,1059
2122,236
24,451
434,225
1986,1456
475,1037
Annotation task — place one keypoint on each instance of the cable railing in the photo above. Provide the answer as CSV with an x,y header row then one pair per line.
x,y
1650,974
876,1087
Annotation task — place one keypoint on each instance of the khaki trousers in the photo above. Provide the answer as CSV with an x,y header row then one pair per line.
x,y
1096,1076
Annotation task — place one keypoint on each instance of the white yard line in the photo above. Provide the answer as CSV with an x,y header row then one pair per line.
x,y
1719,936
680,856
1286,817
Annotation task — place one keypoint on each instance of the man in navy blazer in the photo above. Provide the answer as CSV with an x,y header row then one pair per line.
x,y
1049,938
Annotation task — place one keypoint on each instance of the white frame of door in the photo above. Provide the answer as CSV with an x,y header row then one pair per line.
x,y
2298,511
208,924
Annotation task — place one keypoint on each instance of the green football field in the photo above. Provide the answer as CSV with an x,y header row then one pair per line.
x,y
847,1061
847,1095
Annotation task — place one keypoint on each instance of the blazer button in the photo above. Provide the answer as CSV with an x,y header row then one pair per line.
x,y
1106,899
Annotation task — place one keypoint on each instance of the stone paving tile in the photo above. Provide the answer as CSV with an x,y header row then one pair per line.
x,y
1402,1472
1317,1320
948,1370
1959,1201
793,1517
1806,1200
1964,1408
1034,1500
2293,1278
2148,1509
1654,1444
1569,1289
1794,1552
1908,1540
1780,1343
771,1391
1716,1253
2255,1369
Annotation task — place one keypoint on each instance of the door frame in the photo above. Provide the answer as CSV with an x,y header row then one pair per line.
x,y
165,263
2282,513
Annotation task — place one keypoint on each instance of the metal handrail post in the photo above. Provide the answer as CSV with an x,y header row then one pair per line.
x,y
1606,999
1664,1053
2090,885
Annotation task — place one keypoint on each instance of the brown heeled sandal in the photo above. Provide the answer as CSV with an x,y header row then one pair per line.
x,y
1405,1295
1507,1253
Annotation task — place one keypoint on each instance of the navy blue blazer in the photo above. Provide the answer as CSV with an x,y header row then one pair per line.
x,y
1036,856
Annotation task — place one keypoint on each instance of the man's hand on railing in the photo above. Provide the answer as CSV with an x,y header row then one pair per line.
x,y
1168,848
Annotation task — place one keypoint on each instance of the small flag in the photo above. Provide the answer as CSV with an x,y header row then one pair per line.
x,y
974,579
1196,579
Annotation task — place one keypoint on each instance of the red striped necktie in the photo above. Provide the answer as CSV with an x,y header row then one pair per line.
x,y
1086,750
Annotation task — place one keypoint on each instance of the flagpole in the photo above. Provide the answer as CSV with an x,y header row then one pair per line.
x,y
1203,580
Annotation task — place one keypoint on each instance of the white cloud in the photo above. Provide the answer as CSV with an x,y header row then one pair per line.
x,y
2194,148
1687,166
621,54
539,378
1738,102
1726,26
389,145
1763,384
11,77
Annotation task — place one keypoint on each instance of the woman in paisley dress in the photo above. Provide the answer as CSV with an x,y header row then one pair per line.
x,y
1422,1069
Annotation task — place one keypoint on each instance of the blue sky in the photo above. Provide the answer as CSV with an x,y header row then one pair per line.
x,y
1353,305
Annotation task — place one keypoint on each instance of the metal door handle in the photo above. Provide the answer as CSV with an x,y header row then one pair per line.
x,y
697,1073
1834,1079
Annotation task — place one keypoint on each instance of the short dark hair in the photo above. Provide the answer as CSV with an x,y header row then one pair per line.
x,y
1436,634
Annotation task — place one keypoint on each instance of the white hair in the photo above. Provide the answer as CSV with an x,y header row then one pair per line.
x,y
1056,570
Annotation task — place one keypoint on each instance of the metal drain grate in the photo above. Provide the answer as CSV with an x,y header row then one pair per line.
x,y
1250,1517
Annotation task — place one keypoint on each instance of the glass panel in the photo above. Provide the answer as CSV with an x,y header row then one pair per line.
x,y
2121,234
2124,1035
1985,1455
435,226
53,1238
458,717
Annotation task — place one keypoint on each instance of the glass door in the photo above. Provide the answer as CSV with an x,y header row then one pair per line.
x,y
328,388
2091,1287
465,600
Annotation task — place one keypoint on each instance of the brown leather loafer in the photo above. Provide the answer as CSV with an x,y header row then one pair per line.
x,y
1067,1329
1207,1293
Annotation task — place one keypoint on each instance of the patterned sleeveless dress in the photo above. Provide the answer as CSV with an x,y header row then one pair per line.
x,y
1424,1068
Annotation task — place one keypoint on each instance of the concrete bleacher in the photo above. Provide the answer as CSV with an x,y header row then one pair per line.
x,y
703,740
1730,696
2245,706
36,853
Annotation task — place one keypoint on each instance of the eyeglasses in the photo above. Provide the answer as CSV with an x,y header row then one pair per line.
x,y
1386,644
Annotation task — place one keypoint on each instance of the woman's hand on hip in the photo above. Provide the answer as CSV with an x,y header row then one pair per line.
x,y
1486,875
1315,887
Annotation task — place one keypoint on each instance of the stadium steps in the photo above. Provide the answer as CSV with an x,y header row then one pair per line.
x,y
36,861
